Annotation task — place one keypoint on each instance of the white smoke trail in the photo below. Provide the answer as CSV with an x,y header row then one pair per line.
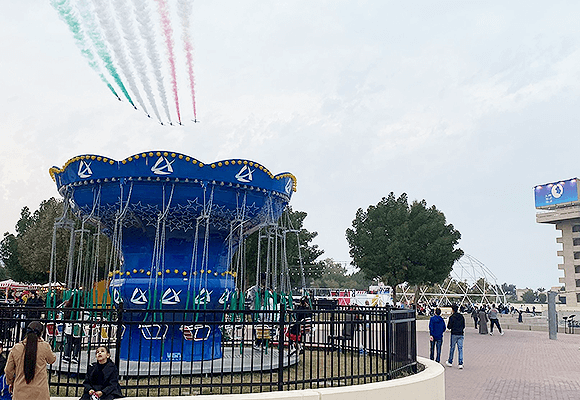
x,y
123,13
70,17
146,29
184,8
110,31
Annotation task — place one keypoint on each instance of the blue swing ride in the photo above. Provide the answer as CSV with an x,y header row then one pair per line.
x,y
175,224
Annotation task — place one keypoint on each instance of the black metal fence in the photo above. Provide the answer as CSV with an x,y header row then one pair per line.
x,y
260,351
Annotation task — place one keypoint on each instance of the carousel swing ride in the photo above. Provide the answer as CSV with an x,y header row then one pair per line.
x,y
177,229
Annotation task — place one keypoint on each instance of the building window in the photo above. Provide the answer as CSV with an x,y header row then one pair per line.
x,y
577,269
576,228
578,297
577,282
576,241
577,255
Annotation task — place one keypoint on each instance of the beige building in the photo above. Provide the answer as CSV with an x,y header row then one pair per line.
x,y
567,221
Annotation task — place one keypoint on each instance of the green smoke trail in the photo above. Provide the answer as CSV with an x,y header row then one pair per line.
x,y
65,12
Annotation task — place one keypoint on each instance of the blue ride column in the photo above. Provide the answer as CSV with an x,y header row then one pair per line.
x,y
178,223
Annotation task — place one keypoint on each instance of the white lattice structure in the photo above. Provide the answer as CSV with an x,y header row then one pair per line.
x,y
470,282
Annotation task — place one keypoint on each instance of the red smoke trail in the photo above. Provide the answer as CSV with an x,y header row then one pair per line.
x,y
168,32
189,57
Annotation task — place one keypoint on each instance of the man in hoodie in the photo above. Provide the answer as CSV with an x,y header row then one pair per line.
x,y
436,330
456,325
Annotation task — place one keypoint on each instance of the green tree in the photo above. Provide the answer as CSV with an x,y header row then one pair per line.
x,y
542,297
26,255
35,243
398,242
529,296
335,276
9,254
509,289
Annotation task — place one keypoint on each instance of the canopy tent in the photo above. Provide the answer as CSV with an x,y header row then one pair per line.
x,y
12,284
54,285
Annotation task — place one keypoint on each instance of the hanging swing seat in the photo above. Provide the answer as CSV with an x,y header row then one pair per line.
x,y
299,331
264,332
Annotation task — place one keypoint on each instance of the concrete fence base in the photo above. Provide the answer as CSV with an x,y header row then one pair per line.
x,y
427,384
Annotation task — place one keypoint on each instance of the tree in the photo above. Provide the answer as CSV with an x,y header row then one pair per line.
x,y
26,255
509,289
529,296
35,243
335,276
398,242
9,254
542,297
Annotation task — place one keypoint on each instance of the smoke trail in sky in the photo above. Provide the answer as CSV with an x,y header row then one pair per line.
x,y
184,9
168,32
66,12
112,36
123,13
100,46
144,24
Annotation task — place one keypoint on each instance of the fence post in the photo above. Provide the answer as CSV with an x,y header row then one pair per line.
x,y
118,335
388,339
281,347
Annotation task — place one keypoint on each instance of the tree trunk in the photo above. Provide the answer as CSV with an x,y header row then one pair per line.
x,y
416,297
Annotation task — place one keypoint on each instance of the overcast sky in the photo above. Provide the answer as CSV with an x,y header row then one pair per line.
x,y
465,104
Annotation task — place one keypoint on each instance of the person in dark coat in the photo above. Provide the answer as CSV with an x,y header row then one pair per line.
x,y
483,321
456,325
475,316
436,330
102,378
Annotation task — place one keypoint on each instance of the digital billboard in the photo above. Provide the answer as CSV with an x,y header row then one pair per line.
x,y
556,193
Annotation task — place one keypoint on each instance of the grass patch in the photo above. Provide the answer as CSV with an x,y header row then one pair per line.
x,y
317,368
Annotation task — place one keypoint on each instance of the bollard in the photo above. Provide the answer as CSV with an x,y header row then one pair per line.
x,y
552,317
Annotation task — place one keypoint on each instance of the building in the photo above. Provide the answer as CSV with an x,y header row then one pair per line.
x,y
558,203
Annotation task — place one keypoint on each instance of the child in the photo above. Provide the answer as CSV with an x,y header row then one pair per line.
x,y
102,379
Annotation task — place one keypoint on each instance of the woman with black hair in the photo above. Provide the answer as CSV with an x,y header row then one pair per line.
x,y
26,367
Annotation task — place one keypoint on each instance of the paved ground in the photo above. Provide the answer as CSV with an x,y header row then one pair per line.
x,y
519,365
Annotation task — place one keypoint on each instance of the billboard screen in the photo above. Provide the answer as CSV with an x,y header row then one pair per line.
x,y
557,193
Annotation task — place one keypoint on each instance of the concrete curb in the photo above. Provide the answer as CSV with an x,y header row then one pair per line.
x,y
427,384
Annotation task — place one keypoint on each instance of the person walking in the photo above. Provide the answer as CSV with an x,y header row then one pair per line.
x,y
482,321
26,366
494,320
456,325
436,330
475,316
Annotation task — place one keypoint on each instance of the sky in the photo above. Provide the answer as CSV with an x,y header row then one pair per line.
x,y
465,104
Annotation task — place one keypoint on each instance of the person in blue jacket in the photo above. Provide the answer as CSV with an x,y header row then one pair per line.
x,y
436,330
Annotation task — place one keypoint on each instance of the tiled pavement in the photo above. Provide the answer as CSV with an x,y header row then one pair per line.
x,y
519,365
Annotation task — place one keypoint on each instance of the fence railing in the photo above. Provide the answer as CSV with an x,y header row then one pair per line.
x,y
176,352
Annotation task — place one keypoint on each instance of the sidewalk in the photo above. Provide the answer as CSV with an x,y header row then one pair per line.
x,y
519,365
